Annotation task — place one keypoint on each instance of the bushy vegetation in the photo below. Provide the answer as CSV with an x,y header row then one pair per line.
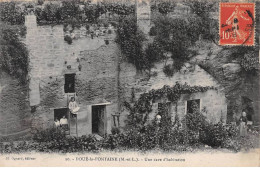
x,y
80,11
11,13
178,35
68,39
164,7
131,39
14,57
248,57
167,135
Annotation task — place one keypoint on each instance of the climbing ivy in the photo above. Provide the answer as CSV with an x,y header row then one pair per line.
x,y
249,61
140,110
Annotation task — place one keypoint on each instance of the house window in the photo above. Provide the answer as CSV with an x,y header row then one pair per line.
x,y
69,86
193,105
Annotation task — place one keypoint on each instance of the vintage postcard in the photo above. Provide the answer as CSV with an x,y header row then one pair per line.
x,y
129,83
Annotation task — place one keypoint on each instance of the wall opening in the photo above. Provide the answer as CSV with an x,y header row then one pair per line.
x,y
247,106
69,86
61,115
98,120
192,105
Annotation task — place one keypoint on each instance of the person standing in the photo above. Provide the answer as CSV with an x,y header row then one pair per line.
x,y
243,125
64,123
73,106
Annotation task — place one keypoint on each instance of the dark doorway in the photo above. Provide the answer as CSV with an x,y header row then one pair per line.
x,y
98,119
59,113
69,86
193,105
247,106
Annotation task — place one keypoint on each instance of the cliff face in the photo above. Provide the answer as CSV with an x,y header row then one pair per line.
x,y
241,87
15,115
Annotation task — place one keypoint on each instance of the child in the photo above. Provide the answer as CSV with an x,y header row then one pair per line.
x,y
57,122
73,106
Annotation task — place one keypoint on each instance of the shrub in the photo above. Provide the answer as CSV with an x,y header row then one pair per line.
x,y
109,31
68,39
113,23
168,71
115,130
40,2
56,140
131,39
10,12
48,135
152,31
87,27
249,61
166,7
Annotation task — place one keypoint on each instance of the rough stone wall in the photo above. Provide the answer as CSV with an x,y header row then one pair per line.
x,y
14,106
49,57
98,79
49,53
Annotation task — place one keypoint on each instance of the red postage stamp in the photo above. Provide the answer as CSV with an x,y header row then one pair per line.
x,y
236,24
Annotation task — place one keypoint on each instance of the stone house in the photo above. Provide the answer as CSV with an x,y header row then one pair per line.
x,y
94,73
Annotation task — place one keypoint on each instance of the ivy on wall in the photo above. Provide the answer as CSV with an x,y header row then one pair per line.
x,y
140,110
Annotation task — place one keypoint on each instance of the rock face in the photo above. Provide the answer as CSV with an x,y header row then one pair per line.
x,y
230,70
15,117
239,86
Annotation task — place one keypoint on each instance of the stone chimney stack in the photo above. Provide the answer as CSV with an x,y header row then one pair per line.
x,y
143,14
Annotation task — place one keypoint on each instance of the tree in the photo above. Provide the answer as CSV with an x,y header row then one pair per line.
x,y
14,57
11,13
40,2
208,26
70,9
166,7
201,8
174,35
50,12
131,39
